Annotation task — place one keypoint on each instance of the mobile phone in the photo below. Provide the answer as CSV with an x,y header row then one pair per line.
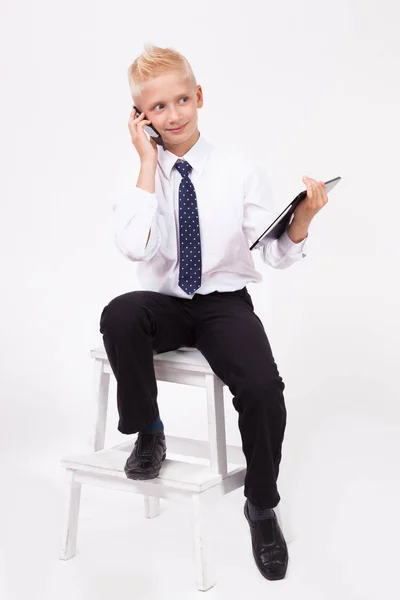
x,y
151,130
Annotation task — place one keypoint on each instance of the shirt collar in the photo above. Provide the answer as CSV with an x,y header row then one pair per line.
x,y
196,157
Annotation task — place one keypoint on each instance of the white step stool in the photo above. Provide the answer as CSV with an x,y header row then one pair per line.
x,y
202,484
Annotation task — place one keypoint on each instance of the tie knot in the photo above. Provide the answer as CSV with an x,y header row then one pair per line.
x,y
183,167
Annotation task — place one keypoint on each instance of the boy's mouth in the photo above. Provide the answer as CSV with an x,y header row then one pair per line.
x,y
178,129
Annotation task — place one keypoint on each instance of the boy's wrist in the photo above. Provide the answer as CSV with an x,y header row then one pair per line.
x,y
298,230
148,164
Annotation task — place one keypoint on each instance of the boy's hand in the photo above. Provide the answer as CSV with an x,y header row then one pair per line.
x,y
145,146
315,199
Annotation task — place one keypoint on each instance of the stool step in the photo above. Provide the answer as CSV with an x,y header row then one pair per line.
x,y
190,447
110,462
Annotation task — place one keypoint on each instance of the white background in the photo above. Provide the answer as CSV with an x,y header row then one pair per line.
x,y
306,88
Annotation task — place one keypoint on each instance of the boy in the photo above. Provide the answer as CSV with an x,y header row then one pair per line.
x,y
189,224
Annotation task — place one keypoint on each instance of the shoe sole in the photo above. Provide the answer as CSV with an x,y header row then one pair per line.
x,y
145,476
263,573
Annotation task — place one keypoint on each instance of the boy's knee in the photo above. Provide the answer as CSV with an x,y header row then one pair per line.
x,y
122,310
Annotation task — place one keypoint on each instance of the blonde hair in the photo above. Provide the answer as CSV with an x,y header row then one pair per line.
x,y
153,62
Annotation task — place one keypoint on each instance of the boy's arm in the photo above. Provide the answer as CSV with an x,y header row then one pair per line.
x,y
259,213
135,219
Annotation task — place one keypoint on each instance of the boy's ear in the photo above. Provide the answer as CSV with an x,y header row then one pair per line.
x,y
199,95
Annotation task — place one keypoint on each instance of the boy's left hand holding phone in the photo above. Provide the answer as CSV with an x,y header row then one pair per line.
x,y
146,148
150,129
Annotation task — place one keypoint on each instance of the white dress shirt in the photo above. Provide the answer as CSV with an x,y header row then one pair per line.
x,y
235,206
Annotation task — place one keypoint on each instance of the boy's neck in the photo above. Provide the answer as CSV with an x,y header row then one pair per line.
x,y
181,149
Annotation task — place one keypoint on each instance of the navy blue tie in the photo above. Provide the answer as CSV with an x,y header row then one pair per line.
x,y
189,232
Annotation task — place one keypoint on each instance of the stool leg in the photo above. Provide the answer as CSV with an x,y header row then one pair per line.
x,y
101,385
205,577
151,507
216,424
70,528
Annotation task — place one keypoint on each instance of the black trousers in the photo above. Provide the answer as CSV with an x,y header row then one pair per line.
x,y
225,329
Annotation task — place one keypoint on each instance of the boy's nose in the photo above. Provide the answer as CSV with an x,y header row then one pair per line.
x,y
173,116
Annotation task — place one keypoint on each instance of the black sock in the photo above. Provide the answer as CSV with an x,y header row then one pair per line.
x,y
258,514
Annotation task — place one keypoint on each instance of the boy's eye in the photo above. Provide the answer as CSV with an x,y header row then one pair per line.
x,y
183,98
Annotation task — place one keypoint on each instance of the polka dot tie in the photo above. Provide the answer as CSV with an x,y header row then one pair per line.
x,y
189,232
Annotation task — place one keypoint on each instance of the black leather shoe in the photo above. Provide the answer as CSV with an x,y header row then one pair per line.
x,y
145,460
269,546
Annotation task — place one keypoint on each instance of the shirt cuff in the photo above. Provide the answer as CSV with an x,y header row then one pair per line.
x,y
139,201
133,217
287,246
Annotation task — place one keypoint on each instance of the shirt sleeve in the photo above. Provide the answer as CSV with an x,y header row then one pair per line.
x,y
133,217
259,212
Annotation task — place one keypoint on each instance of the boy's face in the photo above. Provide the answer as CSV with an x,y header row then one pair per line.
x,y
169,101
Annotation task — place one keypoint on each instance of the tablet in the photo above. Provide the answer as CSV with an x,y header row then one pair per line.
x,y
282,222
